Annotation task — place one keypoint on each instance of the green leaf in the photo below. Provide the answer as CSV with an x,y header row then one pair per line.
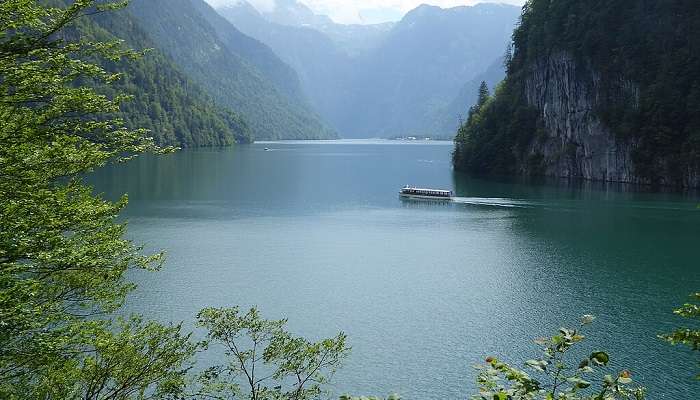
x,y
539,365
500,396
600,358
579,383
624,380
608,379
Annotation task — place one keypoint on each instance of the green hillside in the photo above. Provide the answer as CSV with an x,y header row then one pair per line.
x,y
209,55
175,109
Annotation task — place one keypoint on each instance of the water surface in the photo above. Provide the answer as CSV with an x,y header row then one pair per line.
x,y
315,232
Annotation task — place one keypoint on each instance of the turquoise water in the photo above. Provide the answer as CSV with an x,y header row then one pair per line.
x,y
316,233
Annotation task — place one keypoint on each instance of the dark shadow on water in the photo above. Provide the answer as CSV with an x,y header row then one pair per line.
x,y
467,185
632,245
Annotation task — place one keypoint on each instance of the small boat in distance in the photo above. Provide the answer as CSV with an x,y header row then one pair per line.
x,y
409,192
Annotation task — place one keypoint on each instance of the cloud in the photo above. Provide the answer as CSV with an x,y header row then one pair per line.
x,y
373,11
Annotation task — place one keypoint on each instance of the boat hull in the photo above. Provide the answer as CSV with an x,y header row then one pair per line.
x,y
421,197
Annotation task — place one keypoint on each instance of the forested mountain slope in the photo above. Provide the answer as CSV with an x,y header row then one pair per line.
x,y
598,89
165,101
238,72
254,52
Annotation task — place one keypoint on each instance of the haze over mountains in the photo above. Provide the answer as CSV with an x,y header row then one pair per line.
x,y
389,79
236,73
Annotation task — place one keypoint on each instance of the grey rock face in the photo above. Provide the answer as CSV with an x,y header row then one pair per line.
x,y
576,144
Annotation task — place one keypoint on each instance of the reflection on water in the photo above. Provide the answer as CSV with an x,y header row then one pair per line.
x,y
316,232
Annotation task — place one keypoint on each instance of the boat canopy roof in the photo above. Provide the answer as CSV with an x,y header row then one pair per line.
x,y
409,189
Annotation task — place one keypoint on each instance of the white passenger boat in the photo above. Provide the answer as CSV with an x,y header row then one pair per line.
x,y
409,192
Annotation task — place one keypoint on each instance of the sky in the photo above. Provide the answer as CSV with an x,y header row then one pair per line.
x,y
367,11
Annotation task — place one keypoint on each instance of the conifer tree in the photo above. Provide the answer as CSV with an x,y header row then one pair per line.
x,y
484,94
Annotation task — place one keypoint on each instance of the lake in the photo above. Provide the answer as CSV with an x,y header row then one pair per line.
x,y
315,232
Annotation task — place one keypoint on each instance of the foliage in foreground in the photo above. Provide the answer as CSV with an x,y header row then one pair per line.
x,y
63,256
553,377
266,361
687,336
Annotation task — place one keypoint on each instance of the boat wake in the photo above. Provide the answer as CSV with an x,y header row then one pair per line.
x,y
493,202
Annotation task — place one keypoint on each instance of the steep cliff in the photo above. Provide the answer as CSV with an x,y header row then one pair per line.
x,y
575,142
601,90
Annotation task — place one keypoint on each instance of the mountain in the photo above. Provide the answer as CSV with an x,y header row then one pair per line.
x,y
294,13
352,38
382,80
355,39
175,110
320,50
240,73
603,90
259,55
323,66
420,67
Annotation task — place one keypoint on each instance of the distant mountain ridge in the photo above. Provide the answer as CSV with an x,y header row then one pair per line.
x,y
351,38
270,26
422,64
391,79
294,13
